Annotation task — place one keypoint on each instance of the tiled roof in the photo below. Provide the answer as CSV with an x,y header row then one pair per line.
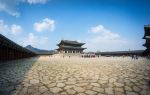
x,y
71,47
147,26
7,42
71,42
122,52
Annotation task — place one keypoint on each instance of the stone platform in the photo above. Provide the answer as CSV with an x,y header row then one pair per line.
x,y
75,76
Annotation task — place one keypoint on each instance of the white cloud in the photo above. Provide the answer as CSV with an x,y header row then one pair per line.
x,y
37,1
11,6
15,29
36,41
44,25
5,29
106,34
31,39
105,39
99,28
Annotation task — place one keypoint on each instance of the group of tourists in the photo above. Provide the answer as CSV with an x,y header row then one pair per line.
x,y
92,55
134,56
88,55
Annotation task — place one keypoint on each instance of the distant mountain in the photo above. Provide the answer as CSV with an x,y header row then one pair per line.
x,y
29,47
39,51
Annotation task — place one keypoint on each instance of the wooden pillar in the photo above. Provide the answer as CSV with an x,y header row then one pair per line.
x,y
7,55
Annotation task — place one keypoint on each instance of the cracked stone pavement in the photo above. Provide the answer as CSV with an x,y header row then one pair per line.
x,y
75,76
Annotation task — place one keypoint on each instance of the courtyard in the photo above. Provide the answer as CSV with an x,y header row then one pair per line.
x,y
75,76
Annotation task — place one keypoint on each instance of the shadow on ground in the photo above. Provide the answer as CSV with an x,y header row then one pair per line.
x,y
12,73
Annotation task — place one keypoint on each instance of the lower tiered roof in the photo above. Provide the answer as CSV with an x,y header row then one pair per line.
x,y
71,47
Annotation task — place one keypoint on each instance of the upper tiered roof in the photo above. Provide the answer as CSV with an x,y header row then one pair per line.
x,y
70,42
147,32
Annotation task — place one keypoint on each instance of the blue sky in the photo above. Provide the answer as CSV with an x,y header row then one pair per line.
x,y
104,25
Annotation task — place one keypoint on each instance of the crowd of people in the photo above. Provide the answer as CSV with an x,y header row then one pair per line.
x,y
134,56
88,55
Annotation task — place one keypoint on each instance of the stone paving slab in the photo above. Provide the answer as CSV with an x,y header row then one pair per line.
x,y
76,76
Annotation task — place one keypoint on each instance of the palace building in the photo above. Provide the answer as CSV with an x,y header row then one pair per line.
x,y
147,38
74,47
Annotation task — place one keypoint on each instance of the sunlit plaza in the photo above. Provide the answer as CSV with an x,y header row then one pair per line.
x,y
56,75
